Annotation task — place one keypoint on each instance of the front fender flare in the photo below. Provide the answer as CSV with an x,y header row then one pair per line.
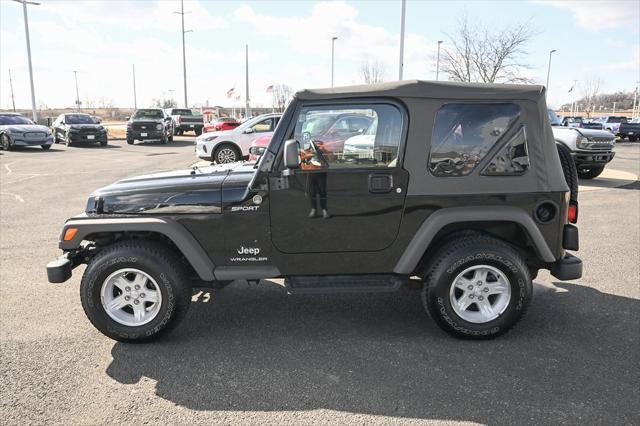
x,y
438,220
178,234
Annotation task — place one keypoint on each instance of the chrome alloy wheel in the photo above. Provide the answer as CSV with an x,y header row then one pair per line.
x,y
131,297
226,155
480,294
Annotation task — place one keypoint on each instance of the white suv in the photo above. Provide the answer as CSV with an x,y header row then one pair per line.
x,y
233,145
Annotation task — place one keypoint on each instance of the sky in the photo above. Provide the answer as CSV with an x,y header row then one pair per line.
x,y
290,43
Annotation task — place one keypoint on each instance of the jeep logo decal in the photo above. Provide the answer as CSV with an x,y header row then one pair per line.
x,y
248,250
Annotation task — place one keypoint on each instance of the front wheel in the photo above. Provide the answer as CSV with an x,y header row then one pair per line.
x,y
590,173
477,287
104,141
45,147
226,154
5,141
135,291
633,138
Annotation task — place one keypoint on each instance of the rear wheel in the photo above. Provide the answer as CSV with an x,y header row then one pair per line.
x,y
477,287
590,173
135,291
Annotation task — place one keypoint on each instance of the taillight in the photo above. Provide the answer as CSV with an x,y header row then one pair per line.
x,y
572,213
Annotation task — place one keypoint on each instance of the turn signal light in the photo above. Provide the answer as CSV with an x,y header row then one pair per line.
x,y
70,233
572,213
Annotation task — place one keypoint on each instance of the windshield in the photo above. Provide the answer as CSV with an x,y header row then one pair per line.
x,y
78,119
14,119
553,117
617,119
148,113
181,112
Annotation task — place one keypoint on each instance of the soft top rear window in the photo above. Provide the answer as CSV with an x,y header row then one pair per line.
x,y
464,133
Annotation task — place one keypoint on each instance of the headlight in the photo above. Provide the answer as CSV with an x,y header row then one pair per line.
x,y
582,141
159,126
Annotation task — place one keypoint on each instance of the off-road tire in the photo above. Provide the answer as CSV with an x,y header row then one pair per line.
x,y
218,150
456,256
161,263
591,172
569,170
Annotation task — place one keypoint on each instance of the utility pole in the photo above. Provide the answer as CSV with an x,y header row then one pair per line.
x,y
135,99
184,55
247,111
13,99
26,32
634,111
549,68
404,6
438,60
573,98
75,73
614,108
333,42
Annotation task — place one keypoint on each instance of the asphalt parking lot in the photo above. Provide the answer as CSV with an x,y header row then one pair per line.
x,y
255,355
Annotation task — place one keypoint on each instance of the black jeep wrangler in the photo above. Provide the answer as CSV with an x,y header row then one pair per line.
x,y
456,187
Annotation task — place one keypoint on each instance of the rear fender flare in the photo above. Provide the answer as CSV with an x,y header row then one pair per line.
x,y
178,234
443,217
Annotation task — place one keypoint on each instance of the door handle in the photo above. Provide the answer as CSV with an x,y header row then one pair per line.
x,y
380,183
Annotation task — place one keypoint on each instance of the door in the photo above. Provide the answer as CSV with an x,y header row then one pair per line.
x,y
349,192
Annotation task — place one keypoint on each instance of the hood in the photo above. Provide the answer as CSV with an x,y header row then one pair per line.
x,y
23,128
596,134
207,135
146,120
86,126
196,190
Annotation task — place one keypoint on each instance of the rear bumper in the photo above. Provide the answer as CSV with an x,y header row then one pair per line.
x,y
190,126
567,268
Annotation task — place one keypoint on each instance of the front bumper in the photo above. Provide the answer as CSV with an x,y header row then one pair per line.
x,y
204,150
77,137
17,141
142,135
592,158
60,269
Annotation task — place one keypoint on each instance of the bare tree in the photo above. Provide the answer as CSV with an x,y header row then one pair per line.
x,y
372,71
282,95
482,54
590,90
104,102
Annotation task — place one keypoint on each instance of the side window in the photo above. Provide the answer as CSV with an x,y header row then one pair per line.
x,y
263,126
512,159
349,136
464,133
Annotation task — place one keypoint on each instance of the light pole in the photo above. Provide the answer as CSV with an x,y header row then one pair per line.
x,y
26,32
333,43
438,60
551,52
247,111
404,7
13,99
75,73
184,55
135,99
171,96
634,111
573,98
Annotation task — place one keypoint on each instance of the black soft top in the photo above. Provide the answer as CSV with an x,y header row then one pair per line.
x,y
430,89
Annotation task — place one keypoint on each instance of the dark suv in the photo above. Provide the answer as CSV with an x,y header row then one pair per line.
x,y
149,124
470,199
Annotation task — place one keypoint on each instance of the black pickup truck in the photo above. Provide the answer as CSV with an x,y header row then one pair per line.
x,y
630,130
184,120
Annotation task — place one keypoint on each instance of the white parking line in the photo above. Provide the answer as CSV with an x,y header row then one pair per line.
x,y
9,171
15,196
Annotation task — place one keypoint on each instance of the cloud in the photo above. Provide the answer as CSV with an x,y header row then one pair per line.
x,y
596,15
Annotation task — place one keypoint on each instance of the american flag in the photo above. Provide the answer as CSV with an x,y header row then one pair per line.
x,y
270,89
230,92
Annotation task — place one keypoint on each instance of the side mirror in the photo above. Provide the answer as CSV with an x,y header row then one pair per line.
x,y
248,130
291,154
257,150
